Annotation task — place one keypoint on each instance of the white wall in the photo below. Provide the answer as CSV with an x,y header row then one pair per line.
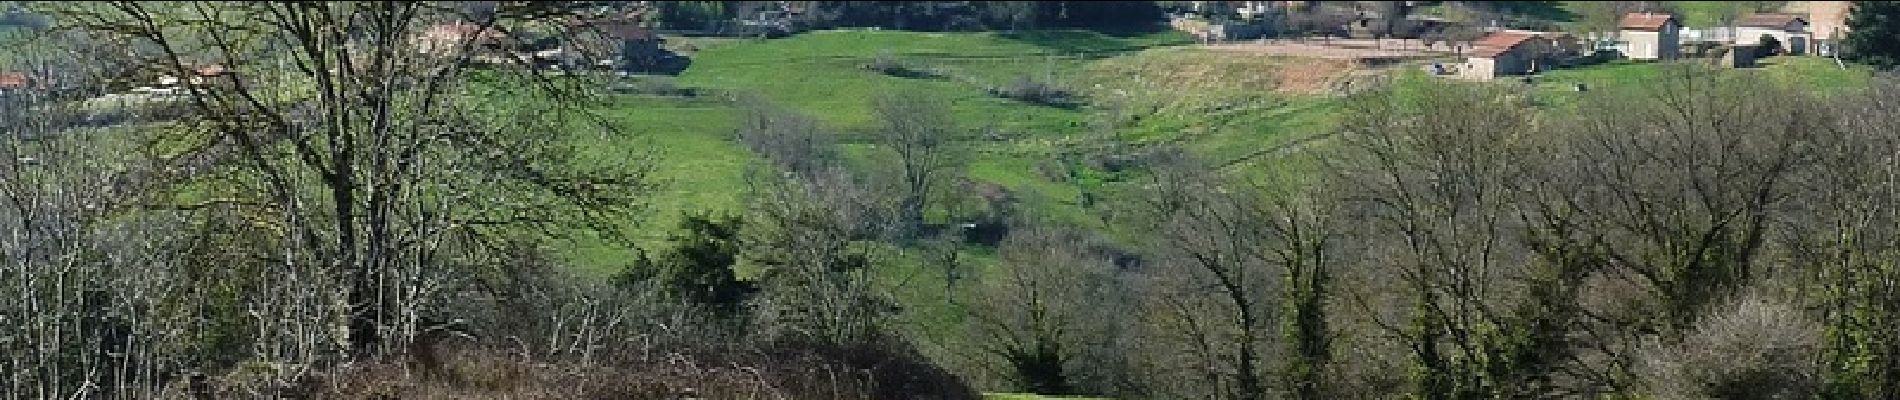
x,y
1642,45
1478,68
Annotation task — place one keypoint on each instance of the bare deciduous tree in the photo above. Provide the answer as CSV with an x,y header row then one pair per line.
x,y
1846,238
376,163
1047,312
1753,348
927,143
1432,174
793,141
814,241
91,295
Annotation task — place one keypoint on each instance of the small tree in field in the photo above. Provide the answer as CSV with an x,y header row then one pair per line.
x,y
928,146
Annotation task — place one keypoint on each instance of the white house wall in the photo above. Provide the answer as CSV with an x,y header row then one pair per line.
x,y
1642,45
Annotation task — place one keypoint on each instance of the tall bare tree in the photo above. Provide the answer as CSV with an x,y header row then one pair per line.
x,y
91,293
928,145
1685,188
1431,173
1054,303
1845,239
376,154
815,242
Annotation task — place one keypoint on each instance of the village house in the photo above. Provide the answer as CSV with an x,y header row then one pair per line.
x,y
17,82
1507,53
1789,30
1246,9
1650,36
623,44
446,39
1208,31
1212,21
636,49
196,75
208,73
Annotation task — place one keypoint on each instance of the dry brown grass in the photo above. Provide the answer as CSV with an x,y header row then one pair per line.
x,y
1312,76
1335,49
1192,81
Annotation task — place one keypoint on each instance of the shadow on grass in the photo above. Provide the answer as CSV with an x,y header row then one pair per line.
x,y
1090,41
893,68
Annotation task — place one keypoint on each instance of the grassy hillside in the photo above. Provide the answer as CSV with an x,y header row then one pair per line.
x,y
1694,14
1557,88
1251,114
1230,107
1242,111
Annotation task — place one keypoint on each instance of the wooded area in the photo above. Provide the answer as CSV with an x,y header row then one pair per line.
x,y
347,218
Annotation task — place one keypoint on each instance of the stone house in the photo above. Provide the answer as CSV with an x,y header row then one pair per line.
x,y
208,73
446,39
1650,36
1791,30
622,44
10,81
1508,53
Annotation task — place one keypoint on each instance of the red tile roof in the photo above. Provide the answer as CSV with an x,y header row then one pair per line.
x,y
13,80
210,70
1770,20
460,30
1499,42
1645,21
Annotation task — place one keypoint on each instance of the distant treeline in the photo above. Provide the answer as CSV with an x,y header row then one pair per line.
x,y
13,15
914,15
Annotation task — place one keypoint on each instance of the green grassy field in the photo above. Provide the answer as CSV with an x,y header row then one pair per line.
x,y
1821,75
1234,109
1230,108
1224,110
1694,14
1252,115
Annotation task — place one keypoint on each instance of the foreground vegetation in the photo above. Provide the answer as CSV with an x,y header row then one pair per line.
x,y
853,214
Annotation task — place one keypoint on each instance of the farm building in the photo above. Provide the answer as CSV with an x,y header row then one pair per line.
x,y
14,82
447,39
1208,32
1790,30
19,82
638,50
1507,53
1650,36
203,74
622,43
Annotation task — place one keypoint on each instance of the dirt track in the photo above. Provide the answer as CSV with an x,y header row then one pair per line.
x,y
1340,49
